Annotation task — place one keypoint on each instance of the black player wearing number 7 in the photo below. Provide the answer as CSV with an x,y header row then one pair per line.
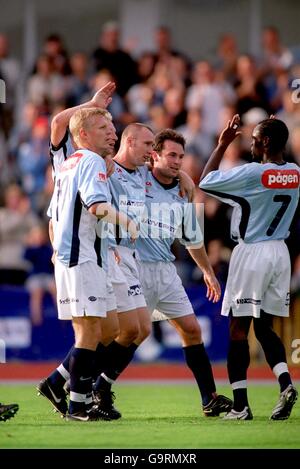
x,y
264,194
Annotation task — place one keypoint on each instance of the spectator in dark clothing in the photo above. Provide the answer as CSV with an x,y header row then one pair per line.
x,y
55,50
110,56
250,90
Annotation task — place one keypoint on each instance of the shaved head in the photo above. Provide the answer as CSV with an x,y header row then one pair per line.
x,y
133,130
136,145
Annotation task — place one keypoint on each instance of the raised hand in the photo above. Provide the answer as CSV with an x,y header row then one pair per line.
x,y
102,98
231,131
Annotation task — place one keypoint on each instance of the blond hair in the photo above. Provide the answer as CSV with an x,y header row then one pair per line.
x,y
81,120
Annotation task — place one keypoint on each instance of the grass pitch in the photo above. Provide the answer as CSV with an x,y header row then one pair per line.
x,y
154,416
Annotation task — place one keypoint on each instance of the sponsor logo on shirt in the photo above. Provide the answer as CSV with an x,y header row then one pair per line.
x,y
67,301
95,298
131,203
135,290
288,299
158,224
101,177
280,179
252,301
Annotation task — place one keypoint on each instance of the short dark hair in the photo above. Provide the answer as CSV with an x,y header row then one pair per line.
x,y
277,132
53,38
167,134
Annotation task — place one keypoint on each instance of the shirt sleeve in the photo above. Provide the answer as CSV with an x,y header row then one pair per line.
x,y
190,233
61,152
93,186
50,208
63,142
231,182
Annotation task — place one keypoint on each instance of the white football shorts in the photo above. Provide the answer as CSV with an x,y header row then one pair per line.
x,y
128,266
163,290
111,303
258,279
119,286
81,290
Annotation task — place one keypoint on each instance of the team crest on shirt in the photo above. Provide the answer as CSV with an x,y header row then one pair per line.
x,y
280,179
101,177
148,185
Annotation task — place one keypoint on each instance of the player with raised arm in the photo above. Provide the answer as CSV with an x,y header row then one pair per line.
x,y
264,195
61,147
117,352
126,327
80,197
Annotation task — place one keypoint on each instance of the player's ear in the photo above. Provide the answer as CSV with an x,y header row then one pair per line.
x,y
155,156
130,140
82,133
266,141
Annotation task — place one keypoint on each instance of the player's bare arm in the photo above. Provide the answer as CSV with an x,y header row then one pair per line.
x,y
227,136
213,287
105,211
102,98
50,231
51,237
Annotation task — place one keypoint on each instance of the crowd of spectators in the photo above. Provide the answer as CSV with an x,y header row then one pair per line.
x,y
163,88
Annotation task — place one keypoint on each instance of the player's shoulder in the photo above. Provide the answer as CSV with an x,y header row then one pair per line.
x,y
285,176
84,152
294,166
253,168
87,157
81,160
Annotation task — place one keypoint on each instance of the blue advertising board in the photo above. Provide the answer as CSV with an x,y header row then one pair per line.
x,y
51,341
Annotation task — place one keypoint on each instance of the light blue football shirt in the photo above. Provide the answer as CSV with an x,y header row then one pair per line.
x,y
167,216
264,197
58,155
127,188
80,182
